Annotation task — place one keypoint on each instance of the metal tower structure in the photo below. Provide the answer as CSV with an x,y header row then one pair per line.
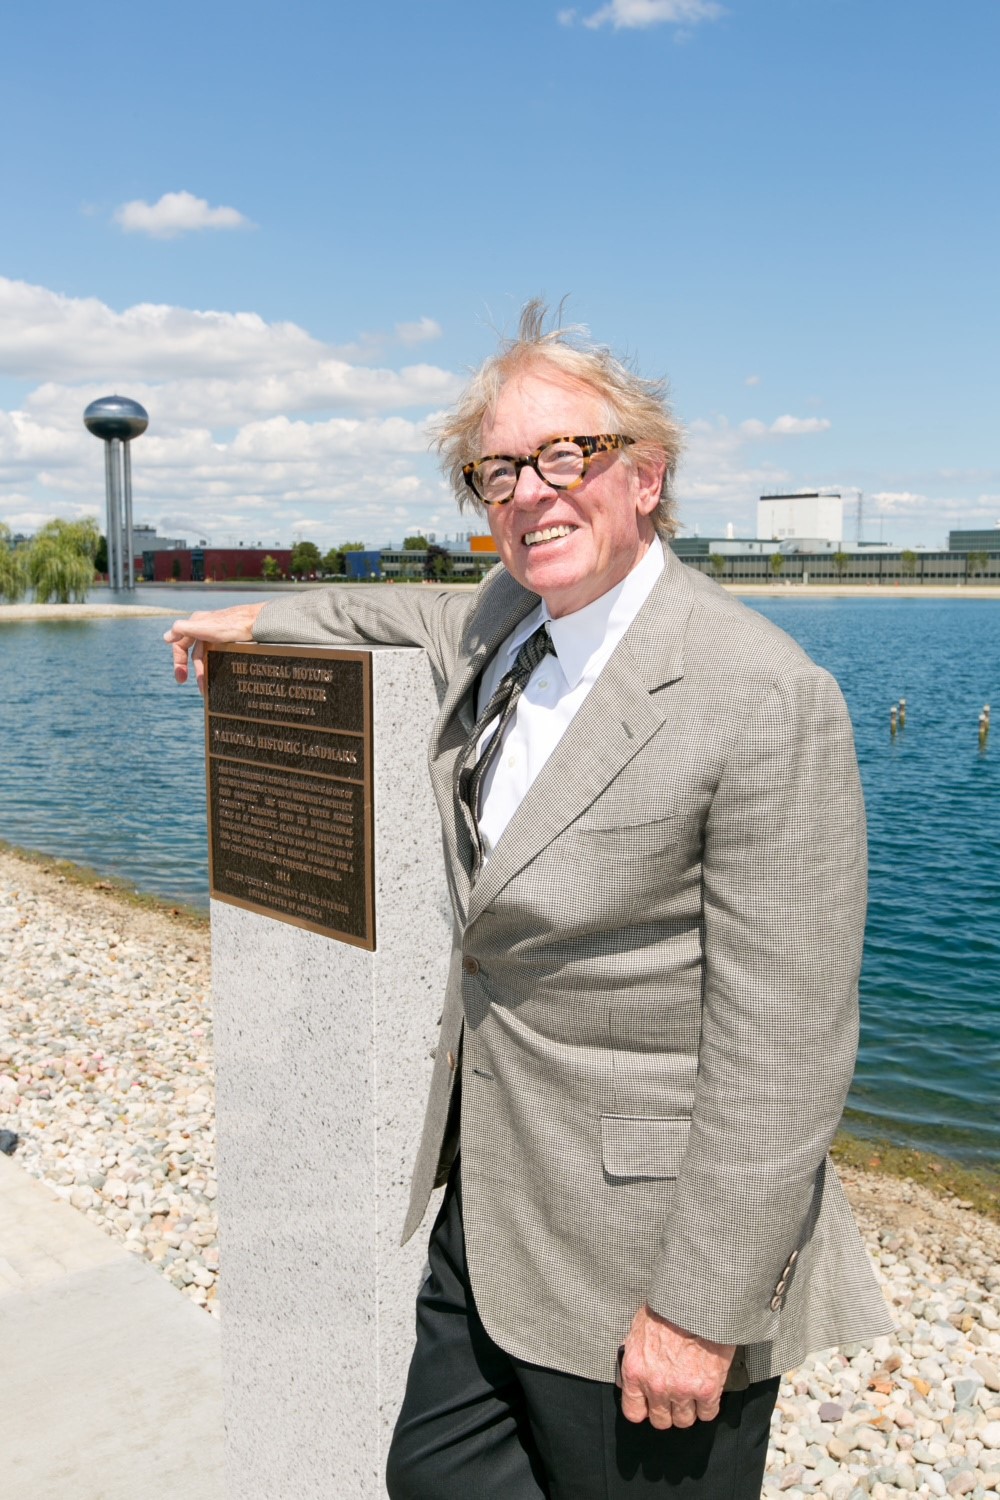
x,y
117,420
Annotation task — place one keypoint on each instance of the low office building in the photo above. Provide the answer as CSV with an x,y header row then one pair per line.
x,y
749,560
469,562
212,564
975,541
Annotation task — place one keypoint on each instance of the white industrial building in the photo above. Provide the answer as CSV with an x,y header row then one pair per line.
x,y
814,514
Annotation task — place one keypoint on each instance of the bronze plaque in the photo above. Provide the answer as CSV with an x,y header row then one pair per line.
x,y
288,734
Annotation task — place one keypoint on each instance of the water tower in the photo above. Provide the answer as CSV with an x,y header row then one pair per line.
x,y
117,420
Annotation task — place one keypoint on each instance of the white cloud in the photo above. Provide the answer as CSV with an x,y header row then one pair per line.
x,y
794,426
176,214
752,380
203,356
785,426
898,502
638,14
420,332
253,425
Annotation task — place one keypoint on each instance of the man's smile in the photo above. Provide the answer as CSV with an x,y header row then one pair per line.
x,y
547,534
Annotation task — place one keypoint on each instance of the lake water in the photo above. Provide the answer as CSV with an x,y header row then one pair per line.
x,y
101,761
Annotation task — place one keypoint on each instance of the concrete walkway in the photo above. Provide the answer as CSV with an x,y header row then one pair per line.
x,y
110,1384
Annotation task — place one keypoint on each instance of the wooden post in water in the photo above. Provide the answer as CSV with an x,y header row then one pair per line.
x,y
893,712
902,713
984,727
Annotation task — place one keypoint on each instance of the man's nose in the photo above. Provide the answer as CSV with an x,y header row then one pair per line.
x,y
531,488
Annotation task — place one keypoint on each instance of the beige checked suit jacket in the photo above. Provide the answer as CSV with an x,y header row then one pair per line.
x,y
653,989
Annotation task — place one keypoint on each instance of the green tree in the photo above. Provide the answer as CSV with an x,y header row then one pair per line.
x,y
415,544
976,562
13,568
61,561
101,555
777,563
840,561
306,558
270,567
717,563
909,562
438,562
334,561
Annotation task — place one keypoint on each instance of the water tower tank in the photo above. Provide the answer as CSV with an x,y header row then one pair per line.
x,y
116,417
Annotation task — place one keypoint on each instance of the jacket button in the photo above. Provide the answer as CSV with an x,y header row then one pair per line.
x,y
792,1259
451,1061
470,964
780,1287
776,1304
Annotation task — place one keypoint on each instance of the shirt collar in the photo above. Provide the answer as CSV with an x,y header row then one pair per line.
x,y
586,638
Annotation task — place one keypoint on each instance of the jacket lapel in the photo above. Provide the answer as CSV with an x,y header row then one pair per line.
x,y
615,720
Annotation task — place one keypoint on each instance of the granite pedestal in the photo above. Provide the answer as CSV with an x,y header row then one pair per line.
x,y
324,1054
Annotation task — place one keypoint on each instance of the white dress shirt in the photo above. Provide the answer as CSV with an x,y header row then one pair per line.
x,y
583,643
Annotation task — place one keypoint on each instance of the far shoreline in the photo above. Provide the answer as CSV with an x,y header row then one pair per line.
x,y
98,609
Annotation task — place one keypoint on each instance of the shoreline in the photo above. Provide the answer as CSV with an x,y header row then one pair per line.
x,y
95,610
864,590
873,1157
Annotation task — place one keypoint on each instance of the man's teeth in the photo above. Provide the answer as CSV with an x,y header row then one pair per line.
x,y
548,535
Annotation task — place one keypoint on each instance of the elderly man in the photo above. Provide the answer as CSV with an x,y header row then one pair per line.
x,y
654,840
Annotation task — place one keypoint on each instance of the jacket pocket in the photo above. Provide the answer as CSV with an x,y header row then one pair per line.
x,y
609,814
643,1145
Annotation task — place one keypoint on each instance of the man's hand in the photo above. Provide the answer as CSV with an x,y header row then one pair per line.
x,y
208,626
672,1377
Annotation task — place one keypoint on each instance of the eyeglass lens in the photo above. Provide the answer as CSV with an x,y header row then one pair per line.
x,y
558,464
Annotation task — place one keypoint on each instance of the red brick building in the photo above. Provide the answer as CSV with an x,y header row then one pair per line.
x,y
211,564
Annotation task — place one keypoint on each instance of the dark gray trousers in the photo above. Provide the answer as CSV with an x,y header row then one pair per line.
x,y
478,1425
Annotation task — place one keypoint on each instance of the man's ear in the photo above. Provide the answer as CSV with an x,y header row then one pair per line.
x,y
649,468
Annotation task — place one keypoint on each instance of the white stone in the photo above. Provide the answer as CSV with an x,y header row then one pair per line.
x,y
333,1046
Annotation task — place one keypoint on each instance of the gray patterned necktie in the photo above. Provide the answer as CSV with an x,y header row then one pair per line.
x,y
502,707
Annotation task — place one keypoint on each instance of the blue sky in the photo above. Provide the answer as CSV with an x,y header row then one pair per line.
x,y
289,229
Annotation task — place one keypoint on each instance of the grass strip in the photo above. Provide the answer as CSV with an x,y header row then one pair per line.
x,y
119,890
945,1178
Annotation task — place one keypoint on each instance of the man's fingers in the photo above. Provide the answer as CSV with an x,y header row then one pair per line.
x,y
663,1413
682,1414
661,1417
634,1408
180,648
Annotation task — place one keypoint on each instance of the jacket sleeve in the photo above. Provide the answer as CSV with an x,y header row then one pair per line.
x,y
784,891
372,615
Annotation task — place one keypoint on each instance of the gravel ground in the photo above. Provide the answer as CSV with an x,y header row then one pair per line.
x,y
106,1074
106,1065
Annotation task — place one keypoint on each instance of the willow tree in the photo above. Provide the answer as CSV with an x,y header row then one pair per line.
x,y
13,568
61,561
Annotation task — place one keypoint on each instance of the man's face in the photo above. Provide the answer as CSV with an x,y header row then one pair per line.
x,y
601,530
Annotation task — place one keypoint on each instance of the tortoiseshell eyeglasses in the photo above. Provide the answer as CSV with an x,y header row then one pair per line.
x,y
561,463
